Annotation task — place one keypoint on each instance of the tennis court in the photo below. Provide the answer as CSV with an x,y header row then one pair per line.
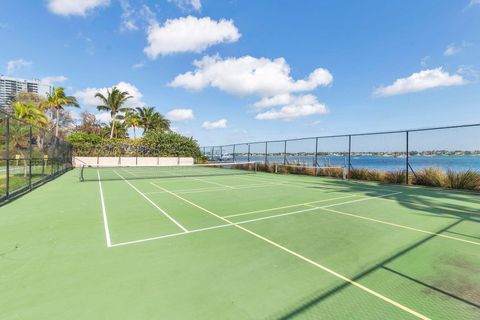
x,y
210,243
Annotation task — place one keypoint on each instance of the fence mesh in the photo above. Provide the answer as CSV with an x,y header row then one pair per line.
x,y
395,156
29,155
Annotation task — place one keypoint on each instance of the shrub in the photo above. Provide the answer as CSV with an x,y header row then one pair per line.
x,y
79,138
394,176
463,179
365,174
161,143
432,177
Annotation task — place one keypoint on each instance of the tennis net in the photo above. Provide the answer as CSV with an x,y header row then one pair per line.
x,y
95,173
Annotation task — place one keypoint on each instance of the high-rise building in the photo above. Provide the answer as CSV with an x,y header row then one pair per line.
x,y
10,87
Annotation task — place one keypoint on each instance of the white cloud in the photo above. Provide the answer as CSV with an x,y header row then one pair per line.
x,y
219,124
103,117
249,76
87,96
188,34
179,115
75,7
188,5
296,107
138,65
128,22
474,2
14,65
451,50
424,61
53,79
419,81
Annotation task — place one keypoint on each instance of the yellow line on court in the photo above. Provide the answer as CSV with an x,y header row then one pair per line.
x,y
334,273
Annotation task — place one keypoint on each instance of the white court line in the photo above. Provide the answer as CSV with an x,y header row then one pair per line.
x,y
200,190
290,206
211,182
334,273
265,218
104,213
398,225
153,203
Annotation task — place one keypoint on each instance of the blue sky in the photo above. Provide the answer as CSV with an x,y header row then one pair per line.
x,y
231,71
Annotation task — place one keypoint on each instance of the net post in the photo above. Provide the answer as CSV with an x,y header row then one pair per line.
x,y
407,163
285,153
233,156
213,149
7,154
221,153
82,179
248,154
30,159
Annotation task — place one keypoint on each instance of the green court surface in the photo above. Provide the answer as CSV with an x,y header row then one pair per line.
x,y
253,246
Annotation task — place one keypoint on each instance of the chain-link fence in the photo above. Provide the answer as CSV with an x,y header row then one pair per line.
x,y
405,152
29,156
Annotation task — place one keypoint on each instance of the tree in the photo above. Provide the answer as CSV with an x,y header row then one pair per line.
x,y
131,120
29,113
151,120
113,102
58,100
88,124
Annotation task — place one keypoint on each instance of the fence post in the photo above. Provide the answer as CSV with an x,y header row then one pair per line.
x,y
266,152
30,164
349,155
285,153
315,158
248,155
213,148
221,153
233,156
407,158
7,155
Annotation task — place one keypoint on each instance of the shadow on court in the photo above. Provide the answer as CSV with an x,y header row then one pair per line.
x,y
431,202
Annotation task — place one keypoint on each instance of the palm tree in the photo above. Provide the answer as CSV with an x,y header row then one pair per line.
x,y
150,120
113,102
132,120
29,113
57,100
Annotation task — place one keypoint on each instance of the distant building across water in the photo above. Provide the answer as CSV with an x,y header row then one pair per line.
x,y
10,87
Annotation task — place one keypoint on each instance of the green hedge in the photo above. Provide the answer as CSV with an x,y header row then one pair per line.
x,y
154,143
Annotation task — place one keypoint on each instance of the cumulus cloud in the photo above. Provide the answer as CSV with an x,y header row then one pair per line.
x,y
188,34
179,115
53,79
219,124
14,65
75,7
420,81
293,107
87,95
188,5
249,76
